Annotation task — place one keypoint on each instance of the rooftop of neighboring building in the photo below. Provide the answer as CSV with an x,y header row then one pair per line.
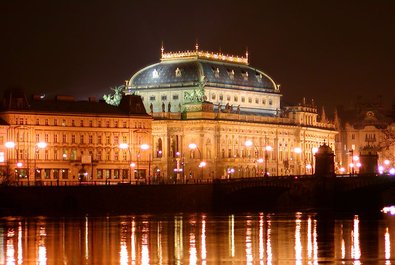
x,y
16,100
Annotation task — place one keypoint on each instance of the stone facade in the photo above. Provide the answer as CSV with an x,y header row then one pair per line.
x,y
82,140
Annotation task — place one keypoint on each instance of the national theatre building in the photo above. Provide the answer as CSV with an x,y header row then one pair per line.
x,y
194,115
215,116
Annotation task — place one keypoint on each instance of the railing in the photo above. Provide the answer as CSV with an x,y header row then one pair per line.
x,y
24,182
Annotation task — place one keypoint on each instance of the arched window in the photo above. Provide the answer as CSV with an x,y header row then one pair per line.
x,y
159,150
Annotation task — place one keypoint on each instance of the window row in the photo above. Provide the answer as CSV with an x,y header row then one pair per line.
x,y
82,123
163,97
242,99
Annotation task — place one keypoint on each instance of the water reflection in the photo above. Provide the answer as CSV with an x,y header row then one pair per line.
x,y
259,238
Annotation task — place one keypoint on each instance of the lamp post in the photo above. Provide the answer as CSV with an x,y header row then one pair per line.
x,y
39,145
9,145
257,160
145,147
194,146
268,148
298,151
132,165
314,150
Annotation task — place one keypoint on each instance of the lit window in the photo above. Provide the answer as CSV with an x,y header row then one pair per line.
x,y
155,74
178,72
2,157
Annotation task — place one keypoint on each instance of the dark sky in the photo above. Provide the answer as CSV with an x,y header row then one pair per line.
x,y
332,51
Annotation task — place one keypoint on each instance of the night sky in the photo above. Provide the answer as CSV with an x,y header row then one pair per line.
x,y
331,51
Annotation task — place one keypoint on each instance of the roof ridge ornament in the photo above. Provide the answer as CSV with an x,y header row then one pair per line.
x,y
196,54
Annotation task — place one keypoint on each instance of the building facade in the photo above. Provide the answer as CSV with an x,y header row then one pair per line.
x,y
215,116
64,140
365,128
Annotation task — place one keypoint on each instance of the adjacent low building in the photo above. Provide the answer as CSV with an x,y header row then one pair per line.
x,y
51,140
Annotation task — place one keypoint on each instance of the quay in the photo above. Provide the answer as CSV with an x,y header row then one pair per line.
x,y
343,192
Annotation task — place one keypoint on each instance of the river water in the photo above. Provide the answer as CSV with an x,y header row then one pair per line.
x,y
199,238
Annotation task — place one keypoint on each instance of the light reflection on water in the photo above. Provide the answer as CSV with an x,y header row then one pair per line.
x,y
197,239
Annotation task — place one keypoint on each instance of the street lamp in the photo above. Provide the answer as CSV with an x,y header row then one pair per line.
x,y
268,148
194,146
314,150
257,160
298,151
39,145
145,147
202,165
125,146
9,145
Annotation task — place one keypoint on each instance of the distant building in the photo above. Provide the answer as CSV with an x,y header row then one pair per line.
x,y
215,116
365,128
66,140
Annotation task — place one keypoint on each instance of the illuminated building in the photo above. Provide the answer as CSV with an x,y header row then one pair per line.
x,y
215,116
66,140
365,128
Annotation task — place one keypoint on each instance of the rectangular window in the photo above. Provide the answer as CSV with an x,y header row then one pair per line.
x,y
235,99
81,123
46,154
221,97
164,97
116,173
228,98
64,138
108,124
64,154
124,124
175,97
55,122
46,138
116,124
152,98
55,138
99,139
90,123
116,139
257,101
107,173
81,139
99,124
90,139
243,99
73,139
72,123
56,173
55,154
63,122
65,173
37,138
47,173
37,122
99,174
107,139
46,122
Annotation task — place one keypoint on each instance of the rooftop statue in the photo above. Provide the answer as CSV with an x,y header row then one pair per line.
x,y
197,95
114,99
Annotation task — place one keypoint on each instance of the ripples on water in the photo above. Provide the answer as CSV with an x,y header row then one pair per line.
x,y
256,238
